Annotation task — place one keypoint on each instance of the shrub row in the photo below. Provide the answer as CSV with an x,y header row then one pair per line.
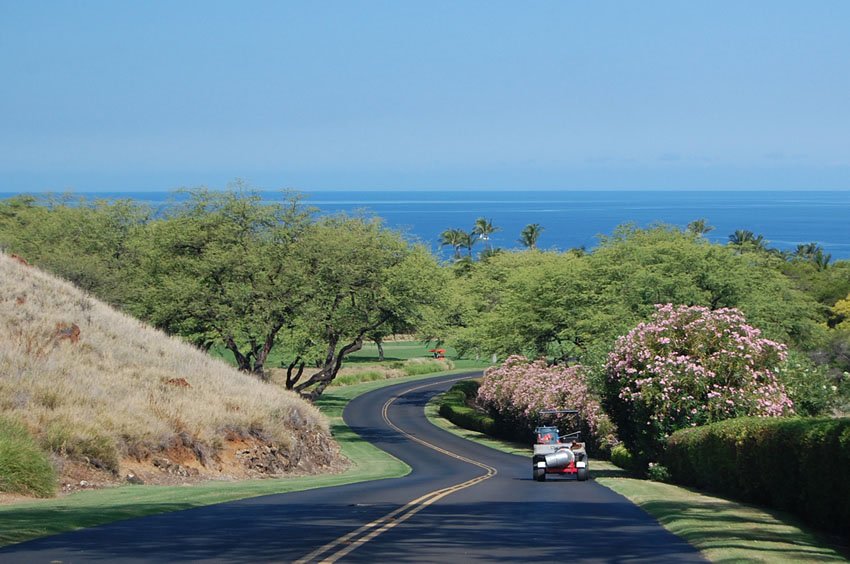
x,y
24,467
800,465
454,406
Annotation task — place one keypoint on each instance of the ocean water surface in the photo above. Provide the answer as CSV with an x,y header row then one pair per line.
x,y
576,218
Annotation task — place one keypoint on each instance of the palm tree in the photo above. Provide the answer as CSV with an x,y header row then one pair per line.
x,y
807,250
529,235
469,239
821,259
747,239
813,253
454,238
699,227
483,229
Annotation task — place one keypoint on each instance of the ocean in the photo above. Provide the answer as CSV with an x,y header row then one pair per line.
x,y
576,218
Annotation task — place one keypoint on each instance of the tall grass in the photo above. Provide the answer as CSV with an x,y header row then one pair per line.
x,y
126,390
24,467
393,369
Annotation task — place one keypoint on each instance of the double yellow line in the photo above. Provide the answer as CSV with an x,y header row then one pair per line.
x,y
338,548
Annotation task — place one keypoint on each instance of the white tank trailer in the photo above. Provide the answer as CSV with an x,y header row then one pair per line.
x,y
556,454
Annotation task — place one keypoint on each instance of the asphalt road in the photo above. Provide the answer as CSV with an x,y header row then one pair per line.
x,y
462,502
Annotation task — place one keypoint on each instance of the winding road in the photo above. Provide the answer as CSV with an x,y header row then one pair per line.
x,y
462,502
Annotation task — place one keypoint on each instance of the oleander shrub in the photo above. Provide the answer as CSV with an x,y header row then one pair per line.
x,y
801,465
689,366
456,406
24,468
517,391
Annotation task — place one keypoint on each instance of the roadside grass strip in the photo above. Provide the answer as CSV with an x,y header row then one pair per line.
x,y
722,530
37,518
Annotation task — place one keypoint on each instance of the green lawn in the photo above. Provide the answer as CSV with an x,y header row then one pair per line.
x,y
394,350
37,518
723,530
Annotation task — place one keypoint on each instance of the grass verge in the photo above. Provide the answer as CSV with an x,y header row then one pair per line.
x,y
32,519
722,530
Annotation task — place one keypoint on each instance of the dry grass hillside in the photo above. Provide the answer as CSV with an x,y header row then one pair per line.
x,y
112,399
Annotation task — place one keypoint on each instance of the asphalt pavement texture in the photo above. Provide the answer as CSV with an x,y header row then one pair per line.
x,y
507,517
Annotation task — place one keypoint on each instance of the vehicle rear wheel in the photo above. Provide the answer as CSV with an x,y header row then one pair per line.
x,y
539,474
582,474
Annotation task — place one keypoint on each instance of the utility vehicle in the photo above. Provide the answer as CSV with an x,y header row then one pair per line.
x,y
556,454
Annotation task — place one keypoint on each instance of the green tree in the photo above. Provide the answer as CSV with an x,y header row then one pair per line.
x,y
745,240
483,229
362,278
85,242
813,253
530,234
699,227
456,239
569,307
638,268
219,269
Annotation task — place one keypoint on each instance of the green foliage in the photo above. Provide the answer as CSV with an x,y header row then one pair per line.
x,y
809,386
699,227
457,239
797,465
483,229
362,278
657,472
360,376
530,234
825,285
841,313
455,406
571,306
24,468
218,269
639,268
415,366
86,242
621,457
747,241
529,303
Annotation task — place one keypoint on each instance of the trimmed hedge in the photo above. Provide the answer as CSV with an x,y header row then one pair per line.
x,y
622,458
801,465
454,406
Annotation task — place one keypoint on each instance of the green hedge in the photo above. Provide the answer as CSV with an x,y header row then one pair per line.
x,y
621,457
800,465
454,406
24,467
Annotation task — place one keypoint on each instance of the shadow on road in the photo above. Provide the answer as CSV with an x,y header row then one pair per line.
x,y
263,529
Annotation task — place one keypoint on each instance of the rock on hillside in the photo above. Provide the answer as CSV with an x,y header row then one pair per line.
x,y
113,399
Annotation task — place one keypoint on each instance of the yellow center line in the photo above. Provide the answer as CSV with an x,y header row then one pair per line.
x,y
371,530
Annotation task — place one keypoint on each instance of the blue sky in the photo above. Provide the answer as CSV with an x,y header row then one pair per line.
x,y
425,95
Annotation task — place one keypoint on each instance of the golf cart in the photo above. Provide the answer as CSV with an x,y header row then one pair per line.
x,y
556,454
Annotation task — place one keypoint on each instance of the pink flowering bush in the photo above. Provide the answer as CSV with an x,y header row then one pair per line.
x,y
690,366
515,393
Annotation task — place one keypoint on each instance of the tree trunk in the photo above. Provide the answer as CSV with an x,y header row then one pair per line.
x,y
290,380
380,344
243,362
262,353
330,368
